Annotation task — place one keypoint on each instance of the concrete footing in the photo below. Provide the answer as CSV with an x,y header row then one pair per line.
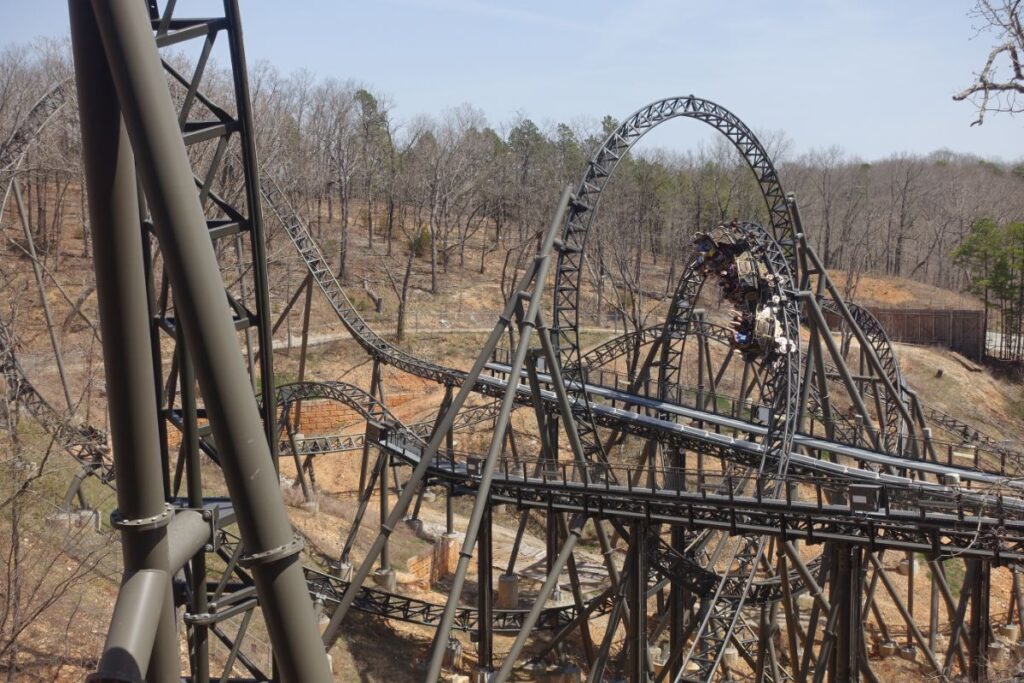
x,y
322,617
386,579
79,518
508,592
564,672
903,568
453,655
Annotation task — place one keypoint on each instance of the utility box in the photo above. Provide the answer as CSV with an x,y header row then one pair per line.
x,y
866,497
376,432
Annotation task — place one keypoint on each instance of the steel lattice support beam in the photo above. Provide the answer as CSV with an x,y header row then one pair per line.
x,y
142,514
717,559
271,550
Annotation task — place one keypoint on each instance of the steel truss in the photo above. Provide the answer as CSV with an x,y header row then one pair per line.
x,y
740,516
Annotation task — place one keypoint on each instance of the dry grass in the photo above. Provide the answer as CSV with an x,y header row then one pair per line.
x,y
900,292
469,302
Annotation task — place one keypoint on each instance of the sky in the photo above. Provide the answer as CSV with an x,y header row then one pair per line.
x,y
874,77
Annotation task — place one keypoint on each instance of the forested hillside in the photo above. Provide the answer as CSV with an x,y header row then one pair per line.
x,y
455,188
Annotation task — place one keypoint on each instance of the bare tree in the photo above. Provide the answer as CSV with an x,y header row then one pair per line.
x,y
1001,79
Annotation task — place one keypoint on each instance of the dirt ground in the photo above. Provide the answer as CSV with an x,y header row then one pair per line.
x,y
64,643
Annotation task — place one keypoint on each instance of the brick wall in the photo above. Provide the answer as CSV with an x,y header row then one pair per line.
x,y
436,563
326,417
319,417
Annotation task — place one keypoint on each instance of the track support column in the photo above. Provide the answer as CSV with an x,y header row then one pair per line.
x,y
978,637
485,598
636,637
141,515
846,596
271,549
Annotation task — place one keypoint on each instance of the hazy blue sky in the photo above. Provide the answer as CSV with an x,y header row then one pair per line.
x,y
873,76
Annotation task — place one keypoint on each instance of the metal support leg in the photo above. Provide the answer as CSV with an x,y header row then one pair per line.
x,y
133,628
637,597
199,604
677,614
596,673
449,511
364,501
485,597
577,596
38,271
846,594
304,346
542,596
385,553
124,320
307,495
243,441
979,633
75,489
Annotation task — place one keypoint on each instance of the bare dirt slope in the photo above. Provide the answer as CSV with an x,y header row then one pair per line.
x,y
64,642
900,292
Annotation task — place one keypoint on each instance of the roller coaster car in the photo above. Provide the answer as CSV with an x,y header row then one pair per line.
x,y
719,244
728,238
750,276
760,334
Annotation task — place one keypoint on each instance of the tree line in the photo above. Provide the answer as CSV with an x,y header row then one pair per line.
x,y
456,187
436,195
993,255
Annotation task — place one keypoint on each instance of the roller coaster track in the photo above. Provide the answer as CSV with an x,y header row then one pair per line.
x,y
627,344
724,593
86,444
968,433
376,346
339,443
720,606
12,152
699,508
919,515
604,415
329,589
568,489
578,222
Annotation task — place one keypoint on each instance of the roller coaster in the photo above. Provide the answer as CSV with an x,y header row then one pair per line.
x,y
747,473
